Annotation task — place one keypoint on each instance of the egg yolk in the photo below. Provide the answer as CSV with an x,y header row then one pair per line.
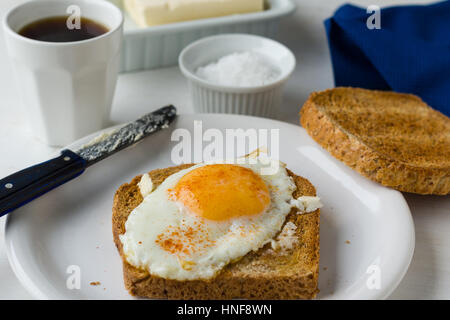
x,y
222,192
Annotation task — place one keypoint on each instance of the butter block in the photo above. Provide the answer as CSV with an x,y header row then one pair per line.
x,y
156,12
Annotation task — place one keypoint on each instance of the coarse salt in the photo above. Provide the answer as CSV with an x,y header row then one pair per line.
x,y
241,69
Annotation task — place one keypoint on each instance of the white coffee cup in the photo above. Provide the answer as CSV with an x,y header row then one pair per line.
x,y
67,87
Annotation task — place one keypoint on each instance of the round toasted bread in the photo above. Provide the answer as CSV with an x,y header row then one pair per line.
x,y
391,138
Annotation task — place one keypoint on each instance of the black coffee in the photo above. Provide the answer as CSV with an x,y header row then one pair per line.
x,y
55,29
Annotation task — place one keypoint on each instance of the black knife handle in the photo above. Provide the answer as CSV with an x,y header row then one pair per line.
x,y
23,186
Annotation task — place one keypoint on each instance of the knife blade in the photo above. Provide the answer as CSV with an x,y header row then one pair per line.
x,y
23,186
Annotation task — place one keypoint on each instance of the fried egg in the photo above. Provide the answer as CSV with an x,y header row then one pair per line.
x,y
204,217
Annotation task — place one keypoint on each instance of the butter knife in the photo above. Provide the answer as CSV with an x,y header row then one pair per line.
x,y
22,187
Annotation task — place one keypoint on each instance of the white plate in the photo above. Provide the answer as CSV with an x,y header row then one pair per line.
x,y
367,232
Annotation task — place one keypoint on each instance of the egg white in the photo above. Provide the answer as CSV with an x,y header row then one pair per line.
x,y
223,241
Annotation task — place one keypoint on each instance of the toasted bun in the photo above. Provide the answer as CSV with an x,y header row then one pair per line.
x,y
265,274
391,138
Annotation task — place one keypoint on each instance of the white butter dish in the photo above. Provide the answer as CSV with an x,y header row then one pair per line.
x,y
159,46
260,100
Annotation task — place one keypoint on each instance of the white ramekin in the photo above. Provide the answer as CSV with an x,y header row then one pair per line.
x,y
207,97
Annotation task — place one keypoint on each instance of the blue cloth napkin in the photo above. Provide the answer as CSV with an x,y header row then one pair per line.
x,y
409,53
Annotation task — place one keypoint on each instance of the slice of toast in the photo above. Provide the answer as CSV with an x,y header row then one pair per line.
x,y
391,138
265,274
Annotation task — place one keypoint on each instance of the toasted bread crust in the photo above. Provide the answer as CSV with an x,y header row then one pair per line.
x,y
411,155
264,274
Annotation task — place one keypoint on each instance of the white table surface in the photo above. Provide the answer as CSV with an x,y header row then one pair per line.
x,y
139,93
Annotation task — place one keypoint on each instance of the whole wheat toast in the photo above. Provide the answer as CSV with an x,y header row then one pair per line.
x,y
265,274
391,138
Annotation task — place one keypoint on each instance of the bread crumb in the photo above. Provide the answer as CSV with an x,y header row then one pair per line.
x,y
95,283
325,268
347,241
